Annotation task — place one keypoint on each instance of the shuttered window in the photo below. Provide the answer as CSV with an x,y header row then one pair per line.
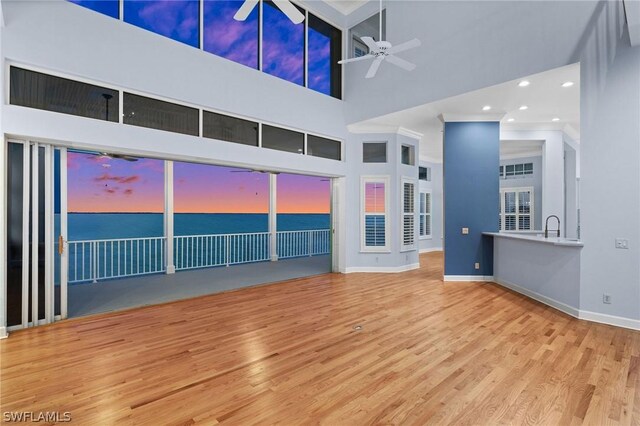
x,y
375,214
425,215
516,209
408,215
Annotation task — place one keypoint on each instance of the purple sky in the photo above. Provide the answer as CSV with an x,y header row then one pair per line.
x,y
101,184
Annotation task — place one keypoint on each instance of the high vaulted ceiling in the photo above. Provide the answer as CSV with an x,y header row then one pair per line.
x,y
544,97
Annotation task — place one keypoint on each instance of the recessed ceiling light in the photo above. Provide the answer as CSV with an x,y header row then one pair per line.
x,y
555,119
486,108
511,119
567,84
524,83
523,107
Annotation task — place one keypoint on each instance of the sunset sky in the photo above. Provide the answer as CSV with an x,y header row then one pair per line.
x,y
282,44
100,184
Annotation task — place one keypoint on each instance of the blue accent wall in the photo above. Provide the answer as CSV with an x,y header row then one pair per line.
x,y
471,195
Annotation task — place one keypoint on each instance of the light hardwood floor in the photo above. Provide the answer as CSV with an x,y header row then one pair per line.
x,y
428,353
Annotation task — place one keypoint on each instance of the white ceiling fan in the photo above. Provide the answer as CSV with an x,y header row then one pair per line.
x,y
285,6
382,50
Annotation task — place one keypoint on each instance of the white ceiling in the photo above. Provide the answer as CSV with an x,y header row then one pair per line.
x,y
346,6
545,98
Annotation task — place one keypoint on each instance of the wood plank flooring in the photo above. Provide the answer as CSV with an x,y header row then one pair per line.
x,y
428,353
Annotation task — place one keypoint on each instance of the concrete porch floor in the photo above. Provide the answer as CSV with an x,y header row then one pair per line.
x,y
107,296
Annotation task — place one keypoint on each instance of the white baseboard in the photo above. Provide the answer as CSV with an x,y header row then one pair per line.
x,y
382,269
617,321
570,310
3,333
430,249
610,320
465,278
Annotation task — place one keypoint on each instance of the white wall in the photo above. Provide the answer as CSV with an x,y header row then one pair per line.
x,y
435,186
610,168
552,167
466,45
394,259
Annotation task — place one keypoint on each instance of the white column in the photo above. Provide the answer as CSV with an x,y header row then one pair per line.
x,y
553,178
48,235
168,216
273,216
3,242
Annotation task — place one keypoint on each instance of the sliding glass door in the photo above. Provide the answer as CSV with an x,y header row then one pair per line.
x,y
36,234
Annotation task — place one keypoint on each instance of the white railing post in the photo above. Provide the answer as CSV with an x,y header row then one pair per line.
x,y
273,217
170,267
228,249
94,255
310,243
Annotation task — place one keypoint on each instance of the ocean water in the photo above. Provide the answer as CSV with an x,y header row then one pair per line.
x,y
94,226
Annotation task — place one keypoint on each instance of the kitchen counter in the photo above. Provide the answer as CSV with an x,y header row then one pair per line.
x,y
538,237
545,269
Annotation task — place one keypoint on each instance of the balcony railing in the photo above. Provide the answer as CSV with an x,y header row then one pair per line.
x,y
96,260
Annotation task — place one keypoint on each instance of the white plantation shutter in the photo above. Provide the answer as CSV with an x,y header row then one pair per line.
x,y
425,214
374,214
516,209
408,215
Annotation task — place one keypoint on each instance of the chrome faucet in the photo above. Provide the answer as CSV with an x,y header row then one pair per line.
x,y
546,226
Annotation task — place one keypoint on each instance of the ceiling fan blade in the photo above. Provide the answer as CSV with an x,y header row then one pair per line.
x,y
405,46
359,58
373,69
371,43
123,157
244,11
290,10
406,65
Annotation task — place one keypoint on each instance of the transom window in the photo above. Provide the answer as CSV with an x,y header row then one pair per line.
x,y
306,54
516,209
516,170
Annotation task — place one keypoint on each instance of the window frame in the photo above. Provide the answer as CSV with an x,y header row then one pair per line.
x,y
364,180
386,152
428,216
407,247
517,213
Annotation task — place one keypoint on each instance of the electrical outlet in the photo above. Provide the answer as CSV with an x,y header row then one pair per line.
x,y
606,298
477,265
622,243
465,231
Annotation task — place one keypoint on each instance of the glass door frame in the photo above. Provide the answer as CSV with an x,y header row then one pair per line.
x,y
32,151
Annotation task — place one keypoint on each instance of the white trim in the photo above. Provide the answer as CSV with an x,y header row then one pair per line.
x,y
409,133
35,231
385,180
574,312
517,214
64,259
448,118
3,332
381,269
468,278
617,321
26,203
48,235
524,154
613,320
4,151
430,249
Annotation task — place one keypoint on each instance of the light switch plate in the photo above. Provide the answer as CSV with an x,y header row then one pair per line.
x,y
465,231
477,265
